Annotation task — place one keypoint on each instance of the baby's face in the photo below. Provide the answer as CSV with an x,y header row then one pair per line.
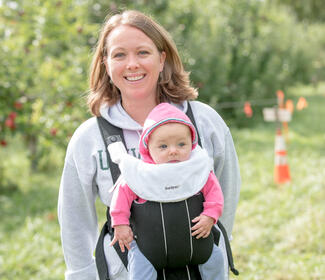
x,y
171,142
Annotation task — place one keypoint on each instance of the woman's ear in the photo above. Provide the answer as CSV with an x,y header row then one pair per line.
x,y
106,64
107,69
162,60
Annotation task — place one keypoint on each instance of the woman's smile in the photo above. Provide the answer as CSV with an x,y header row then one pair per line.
x,y
133,77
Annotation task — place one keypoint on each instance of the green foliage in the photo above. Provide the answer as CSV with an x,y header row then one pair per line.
x,y
246,50
236,50
311,10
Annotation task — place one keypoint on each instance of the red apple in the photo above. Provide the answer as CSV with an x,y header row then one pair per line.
x,y
53,131
18,105
10,122
79,29
68,104
12,115
3,143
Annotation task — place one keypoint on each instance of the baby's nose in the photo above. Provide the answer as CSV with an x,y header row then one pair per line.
x,y
173,150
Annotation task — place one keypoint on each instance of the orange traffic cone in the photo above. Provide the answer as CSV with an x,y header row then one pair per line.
x,y
281,169
302,103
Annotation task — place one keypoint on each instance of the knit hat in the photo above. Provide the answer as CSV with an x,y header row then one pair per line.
x,y
160,115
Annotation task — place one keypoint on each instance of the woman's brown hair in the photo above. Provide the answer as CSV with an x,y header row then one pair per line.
x,y
173,84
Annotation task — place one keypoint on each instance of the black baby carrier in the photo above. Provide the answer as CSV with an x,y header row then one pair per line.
x,y
160,245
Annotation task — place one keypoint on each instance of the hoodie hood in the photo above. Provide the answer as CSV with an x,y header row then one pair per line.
x,y
160,115
117,116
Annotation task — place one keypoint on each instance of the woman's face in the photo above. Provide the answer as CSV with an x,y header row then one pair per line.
x,y
133,63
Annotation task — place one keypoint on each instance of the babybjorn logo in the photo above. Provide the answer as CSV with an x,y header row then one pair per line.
x,y
171,188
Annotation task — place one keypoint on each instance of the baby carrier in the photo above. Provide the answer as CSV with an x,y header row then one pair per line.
x,y
163,248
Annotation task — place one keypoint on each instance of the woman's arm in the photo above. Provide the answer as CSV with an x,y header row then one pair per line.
x,y
228,174
78,222
76,205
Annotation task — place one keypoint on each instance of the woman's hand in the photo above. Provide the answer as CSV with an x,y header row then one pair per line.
x,y
202,227
124,235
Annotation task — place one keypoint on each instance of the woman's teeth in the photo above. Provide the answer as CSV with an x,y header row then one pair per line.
x,y
135,78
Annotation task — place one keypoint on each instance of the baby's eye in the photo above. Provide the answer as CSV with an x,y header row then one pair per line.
x,y
182,144
163,146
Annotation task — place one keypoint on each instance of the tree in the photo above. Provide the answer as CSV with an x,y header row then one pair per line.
x,y
235,50
306,10
44,51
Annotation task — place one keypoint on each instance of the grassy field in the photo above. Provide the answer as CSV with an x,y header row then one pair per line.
x,y
279,232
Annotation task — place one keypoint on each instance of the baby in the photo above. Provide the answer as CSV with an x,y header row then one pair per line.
x,y
169,151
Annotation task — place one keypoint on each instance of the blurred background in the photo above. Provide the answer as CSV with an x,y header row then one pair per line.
x,y
241,55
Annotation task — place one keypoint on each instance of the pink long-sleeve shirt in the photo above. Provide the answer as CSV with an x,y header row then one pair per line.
x,y
124,196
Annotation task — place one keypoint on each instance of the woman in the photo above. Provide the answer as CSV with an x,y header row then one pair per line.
x,y
135,67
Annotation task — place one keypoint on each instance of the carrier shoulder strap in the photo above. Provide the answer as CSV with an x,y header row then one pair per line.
x,y
107,130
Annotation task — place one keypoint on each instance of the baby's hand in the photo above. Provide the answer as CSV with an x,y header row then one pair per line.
x,y
124,235
202,227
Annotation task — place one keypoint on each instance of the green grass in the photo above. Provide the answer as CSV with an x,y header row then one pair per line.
x,y
279,232
29,233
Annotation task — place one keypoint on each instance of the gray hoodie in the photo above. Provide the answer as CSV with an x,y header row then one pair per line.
x,y
86,175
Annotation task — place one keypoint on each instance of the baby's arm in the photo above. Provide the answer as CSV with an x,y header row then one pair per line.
x,y
212,208
120,214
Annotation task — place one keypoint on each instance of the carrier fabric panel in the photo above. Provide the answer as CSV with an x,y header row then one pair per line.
x,y
190,272
202,247
147,226
178,234
150,231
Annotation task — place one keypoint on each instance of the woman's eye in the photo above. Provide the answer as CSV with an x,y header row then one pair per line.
x,y
118,55
143,52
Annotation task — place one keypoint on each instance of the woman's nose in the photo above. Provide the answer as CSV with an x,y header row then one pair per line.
x,y
132,62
